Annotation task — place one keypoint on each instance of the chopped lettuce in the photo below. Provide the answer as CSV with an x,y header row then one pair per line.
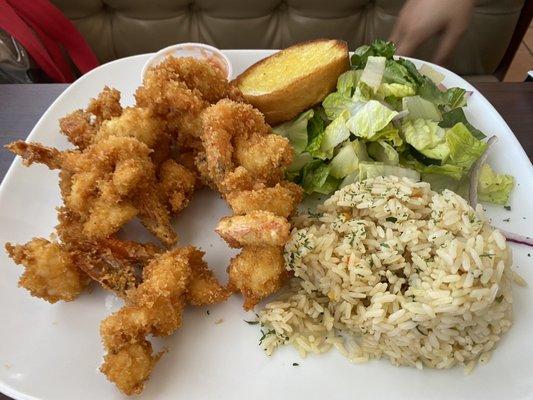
x,y
348,81
410,124
369,170
420,108
299,161
452,117
296,130
373,72
314,176
383,152
335,133
347,159
391,135
394,90
431,73
493,187
377,48
427,137
465,149
335,103
370,119
315,131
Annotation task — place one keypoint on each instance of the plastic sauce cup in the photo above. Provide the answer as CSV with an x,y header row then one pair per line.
x,y
196,50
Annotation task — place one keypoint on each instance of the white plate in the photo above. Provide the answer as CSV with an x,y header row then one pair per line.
x,y
53,351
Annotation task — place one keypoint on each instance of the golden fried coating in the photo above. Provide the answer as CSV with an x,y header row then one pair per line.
x,y
164,92
37,153
265,157
281,199
130,366
141,124
81,126
257,272
235,136
177,184
115,264
110,182
154,308
204,289
257,228
50,272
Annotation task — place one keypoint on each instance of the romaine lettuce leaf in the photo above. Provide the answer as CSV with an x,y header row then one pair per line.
x,y
412,72
455,97
465,149
427,137
347,82
347,159
383,152
329,186
377,48
395,72
456,115
296,130
420,108
299,161
373,169
315,131
395,90
373,72
370,119
453,171
335,133
314,175
335,103
494,188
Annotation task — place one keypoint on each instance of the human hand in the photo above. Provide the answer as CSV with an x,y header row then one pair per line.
x,y
419,20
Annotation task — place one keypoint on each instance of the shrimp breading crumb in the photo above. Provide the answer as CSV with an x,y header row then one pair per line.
x,y
50,272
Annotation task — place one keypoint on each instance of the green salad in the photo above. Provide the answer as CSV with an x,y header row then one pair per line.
x,y
387,117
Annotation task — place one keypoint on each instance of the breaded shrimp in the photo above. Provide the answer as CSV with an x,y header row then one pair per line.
x,y
235,136
204,289
110,182
177,184
141,124
115,264
81,126
257,272
257,228
281,199
154,308
50,272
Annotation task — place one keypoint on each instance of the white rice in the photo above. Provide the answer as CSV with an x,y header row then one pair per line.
x,y
388,268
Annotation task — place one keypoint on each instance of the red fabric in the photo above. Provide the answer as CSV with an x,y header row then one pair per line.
x,y
42,29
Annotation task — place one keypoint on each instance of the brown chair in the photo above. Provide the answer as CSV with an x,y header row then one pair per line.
x,y
121,28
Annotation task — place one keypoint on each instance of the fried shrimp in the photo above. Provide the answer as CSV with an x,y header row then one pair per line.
x,y
170,281
50,271
177,184
110,182
116,264
256,228
281,199
257,272
236,135
81,126
143,125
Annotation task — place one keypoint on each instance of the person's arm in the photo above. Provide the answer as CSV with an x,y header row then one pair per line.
x,y
419,20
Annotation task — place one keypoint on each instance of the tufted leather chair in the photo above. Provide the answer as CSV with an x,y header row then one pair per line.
x,y
120,28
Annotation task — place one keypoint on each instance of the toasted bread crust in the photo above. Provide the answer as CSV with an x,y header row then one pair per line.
x,y
302,93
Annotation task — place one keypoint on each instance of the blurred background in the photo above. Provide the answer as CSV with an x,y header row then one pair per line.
x,y
57,40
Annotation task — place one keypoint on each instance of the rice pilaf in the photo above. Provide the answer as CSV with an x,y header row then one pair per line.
x,y
389,268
